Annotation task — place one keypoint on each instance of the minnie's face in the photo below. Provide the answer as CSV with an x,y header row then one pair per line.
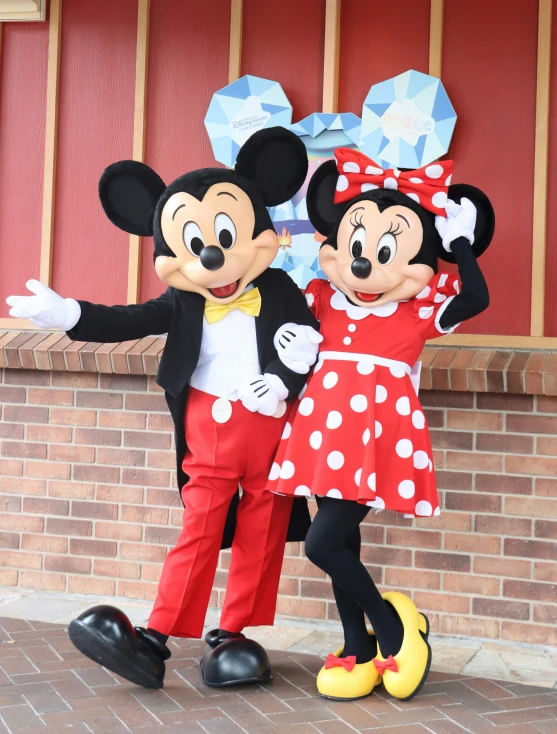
x,y
371,264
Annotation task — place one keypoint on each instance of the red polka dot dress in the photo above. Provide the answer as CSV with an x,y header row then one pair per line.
x,y
358,431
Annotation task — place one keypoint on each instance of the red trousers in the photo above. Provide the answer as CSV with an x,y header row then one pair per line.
x,y
220,456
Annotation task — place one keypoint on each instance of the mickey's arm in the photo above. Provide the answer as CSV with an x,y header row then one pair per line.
x,y
474,296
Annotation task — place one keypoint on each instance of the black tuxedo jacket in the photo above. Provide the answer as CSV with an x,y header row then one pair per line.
x,y
180,315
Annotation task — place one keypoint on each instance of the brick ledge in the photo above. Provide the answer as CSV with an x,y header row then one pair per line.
x,y
462,369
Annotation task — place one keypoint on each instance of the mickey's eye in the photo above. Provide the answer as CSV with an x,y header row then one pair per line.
x,y
386,249
193,239
357,242
225,231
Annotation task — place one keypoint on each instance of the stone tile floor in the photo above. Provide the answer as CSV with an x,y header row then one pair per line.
x,y
47,686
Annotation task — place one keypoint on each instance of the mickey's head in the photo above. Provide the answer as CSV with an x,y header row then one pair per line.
x,y
381,241
212,232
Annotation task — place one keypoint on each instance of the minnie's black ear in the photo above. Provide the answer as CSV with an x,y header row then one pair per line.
x,y
485,219
129,192
277,160
322,211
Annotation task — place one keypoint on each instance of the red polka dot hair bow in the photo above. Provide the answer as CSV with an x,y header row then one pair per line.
x,y
428,186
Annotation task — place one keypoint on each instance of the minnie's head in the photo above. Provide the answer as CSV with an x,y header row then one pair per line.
x,y
381,242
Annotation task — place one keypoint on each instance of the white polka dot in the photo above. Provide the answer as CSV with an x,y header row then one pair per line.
x,y
372,481
302,491
368,187
335,460
302,391
378,429
366,436
437,512
434,171
380,394
404,448
430,465
351,327
336,494
424,508
416,180
374,171
358,477
425,312
439,298
448,180
390,183
318,366
287,430
456,286
315,440
421,460
342,183
358,403
275,472
425,293
334,419
396,172
414,197
442,280
397,370
306,406
403,406
439,199
365,368
347,340
287,470
330,380
351,167
310,299
406,489
378,503
418,419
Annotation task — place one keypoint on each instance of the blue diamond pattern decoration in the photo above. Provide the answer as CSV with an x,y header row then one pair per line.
x,y
240,109
407,121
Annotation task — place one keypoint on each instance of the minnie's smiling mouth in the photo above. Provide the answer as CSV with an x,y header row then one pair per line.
x,y
368,297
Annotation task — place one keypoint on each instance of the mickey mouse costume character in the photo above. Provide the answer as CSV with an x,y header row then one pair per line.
x,y
225,387
358,439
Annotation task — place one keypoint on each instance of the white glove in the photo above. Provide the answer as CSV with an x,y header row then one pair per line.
x,y
263,394
459,222
46,309
297,347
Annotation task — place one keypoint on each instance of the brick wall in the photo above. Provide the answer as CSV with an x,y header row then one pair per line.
x,y
88,504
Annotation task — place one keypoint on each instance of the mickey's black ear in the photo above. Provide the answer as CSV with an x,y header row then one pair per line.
x,y
129,192
277,160
485,219
322,211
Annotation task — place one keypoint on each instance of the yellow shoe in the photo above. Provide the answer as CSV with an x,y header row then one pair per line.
x,y
343,680
406,672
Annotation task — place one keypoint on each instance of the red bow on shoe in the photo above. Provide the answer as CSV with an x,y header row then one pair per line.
x,y
428,186
347,663
382,665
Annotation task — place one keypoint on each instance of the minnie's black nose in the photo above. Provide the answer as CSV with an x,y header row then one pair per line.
x,y
212,257
361,267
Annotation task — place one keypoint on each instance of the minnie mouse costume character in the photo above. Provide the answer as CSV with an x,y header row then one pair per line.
x,y
225,387
358,438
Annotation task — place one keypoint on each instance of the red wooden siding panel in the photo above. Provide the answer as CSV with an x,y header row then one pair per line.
x,y
551,236
379,40
96,107
22,129
188,62
489,71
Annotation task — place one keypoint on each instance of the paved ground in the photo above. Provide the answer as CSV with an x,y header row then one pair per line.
x,y
47,686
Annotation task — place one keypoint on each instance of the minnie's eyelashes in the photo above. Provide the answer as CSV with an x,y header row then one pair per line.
x,y
354,221
396,231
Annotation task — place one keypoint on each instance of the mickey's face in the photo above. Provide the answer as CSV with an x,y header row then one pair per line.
x,y
371,264
215,253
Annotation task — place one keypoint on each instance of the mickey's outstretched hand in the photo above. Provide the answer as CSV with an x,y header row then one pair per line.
x,y
297,346
46,309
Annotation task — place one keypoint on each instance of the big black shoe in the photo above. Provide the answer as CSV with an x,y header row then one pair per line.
x,y
230,659
105,634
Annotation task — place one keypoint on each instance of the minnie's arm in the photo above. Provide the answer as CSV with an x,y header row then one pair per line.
x,y
474,296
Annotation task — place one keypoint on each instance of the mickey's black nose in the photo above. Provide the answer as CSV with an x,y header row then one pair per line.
x,y
212,257
361,267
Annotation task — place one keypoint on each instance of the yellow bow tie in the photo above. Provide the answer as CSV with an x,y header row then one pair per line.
x,y
249,302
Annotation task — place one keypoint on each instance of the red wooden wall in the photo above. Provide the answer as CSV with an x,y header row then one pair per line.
x,y
488,67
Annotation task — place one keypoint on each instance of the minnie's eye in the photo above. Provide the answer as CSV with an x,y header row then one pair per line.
x,y
225,231
193,239
386,249
357,242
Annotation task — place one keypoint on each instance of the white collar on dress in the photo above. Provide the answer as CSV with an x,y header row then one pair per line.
x,y
340,302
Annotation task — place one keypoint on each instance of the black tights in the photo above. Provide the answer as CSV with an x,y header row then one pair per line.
x,y
333,544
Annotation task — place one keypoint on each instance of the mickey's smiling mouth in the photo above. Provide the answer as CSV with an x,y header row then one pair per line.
x,y
224,291
368,297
